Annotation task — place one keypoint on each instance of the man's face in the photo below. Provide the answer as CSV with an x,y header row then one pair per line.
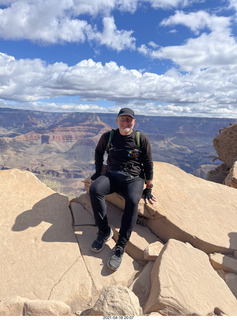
x,y
125,124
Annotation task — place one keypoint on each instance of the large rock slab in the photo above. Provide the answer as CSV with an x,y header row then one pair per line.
x,y
193,210
39,251
181,285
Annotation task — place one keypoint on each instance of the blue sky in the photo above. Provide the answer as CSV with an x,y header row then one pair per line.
x,y
159,57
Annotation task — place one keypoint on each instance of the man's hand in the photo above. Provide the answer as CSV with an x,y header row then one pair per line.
x,y
147,195
94,176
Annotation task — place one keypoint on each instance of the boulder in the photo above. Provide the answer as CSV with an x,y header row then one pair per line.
x,y
116,301
45,308
153,250
183,282
225,145
12,306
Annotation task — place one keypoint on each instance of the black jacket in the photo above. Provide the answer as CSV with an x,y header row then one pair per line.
x,y
123,154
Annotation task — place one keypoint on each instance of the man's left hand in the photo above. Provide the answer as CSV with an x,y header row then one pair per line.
x,y
147,195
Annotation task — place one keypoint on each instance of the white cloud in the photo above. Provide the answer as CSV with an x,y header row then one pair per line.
x,y
55,21
210,91
208,85
113,38
233,4
169,4
41,21
197,21
217,48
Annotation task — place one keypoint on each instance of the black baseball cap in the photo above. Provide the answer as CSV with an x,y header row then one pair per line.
x,y
126,112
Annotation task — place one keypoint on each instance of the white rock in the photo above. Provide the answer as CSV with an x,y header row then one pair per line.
x,y
116,301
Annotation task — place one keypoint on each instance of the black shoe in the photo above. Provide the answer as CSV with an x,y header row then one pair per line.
x,y
102,237
116,259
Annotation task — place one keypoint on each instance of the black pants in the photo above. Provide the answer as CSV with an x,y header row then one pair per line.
x,y
132,193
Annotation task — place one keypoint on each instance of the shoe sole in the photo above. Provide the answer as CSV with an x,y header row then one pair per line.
x,y
110,236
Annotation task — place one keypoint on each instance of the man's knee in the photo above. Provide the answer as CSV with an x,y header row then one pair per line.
x,y
98,187
93,189
132,201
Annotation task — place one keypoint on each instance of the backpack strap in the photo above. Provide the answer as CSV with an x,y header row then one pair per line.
x,y
138,139
111,134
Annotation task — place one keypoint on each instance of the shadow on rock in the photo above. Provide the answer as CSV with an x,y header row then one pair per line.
x,y
54,211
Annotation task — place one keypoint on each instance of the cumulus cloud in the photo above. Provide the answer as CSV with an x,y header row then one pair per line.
x,y
216,48
55,21
208,90
204,82
113,38
197,21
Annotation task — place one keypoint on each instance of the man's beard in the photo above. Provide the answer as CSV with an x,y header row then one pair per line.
x,y
126,130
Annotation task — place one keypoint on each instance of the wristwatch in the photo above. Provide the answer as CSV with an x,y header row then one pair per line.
x,y
149,186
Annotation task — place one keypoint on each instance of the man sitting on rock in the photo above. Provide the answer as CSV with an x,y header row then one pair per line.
x,y
129,165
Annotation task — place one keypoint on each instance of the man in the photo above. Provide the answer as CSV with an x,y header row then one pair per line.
x,y
129,165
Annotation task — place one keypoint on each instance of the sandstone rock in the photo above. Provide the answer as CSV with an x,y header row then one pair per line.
x,y
225,145
39,251
12,306
18,306
221,261
153,250
116,301
141,286
45,308
193,210
231,179
182,284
